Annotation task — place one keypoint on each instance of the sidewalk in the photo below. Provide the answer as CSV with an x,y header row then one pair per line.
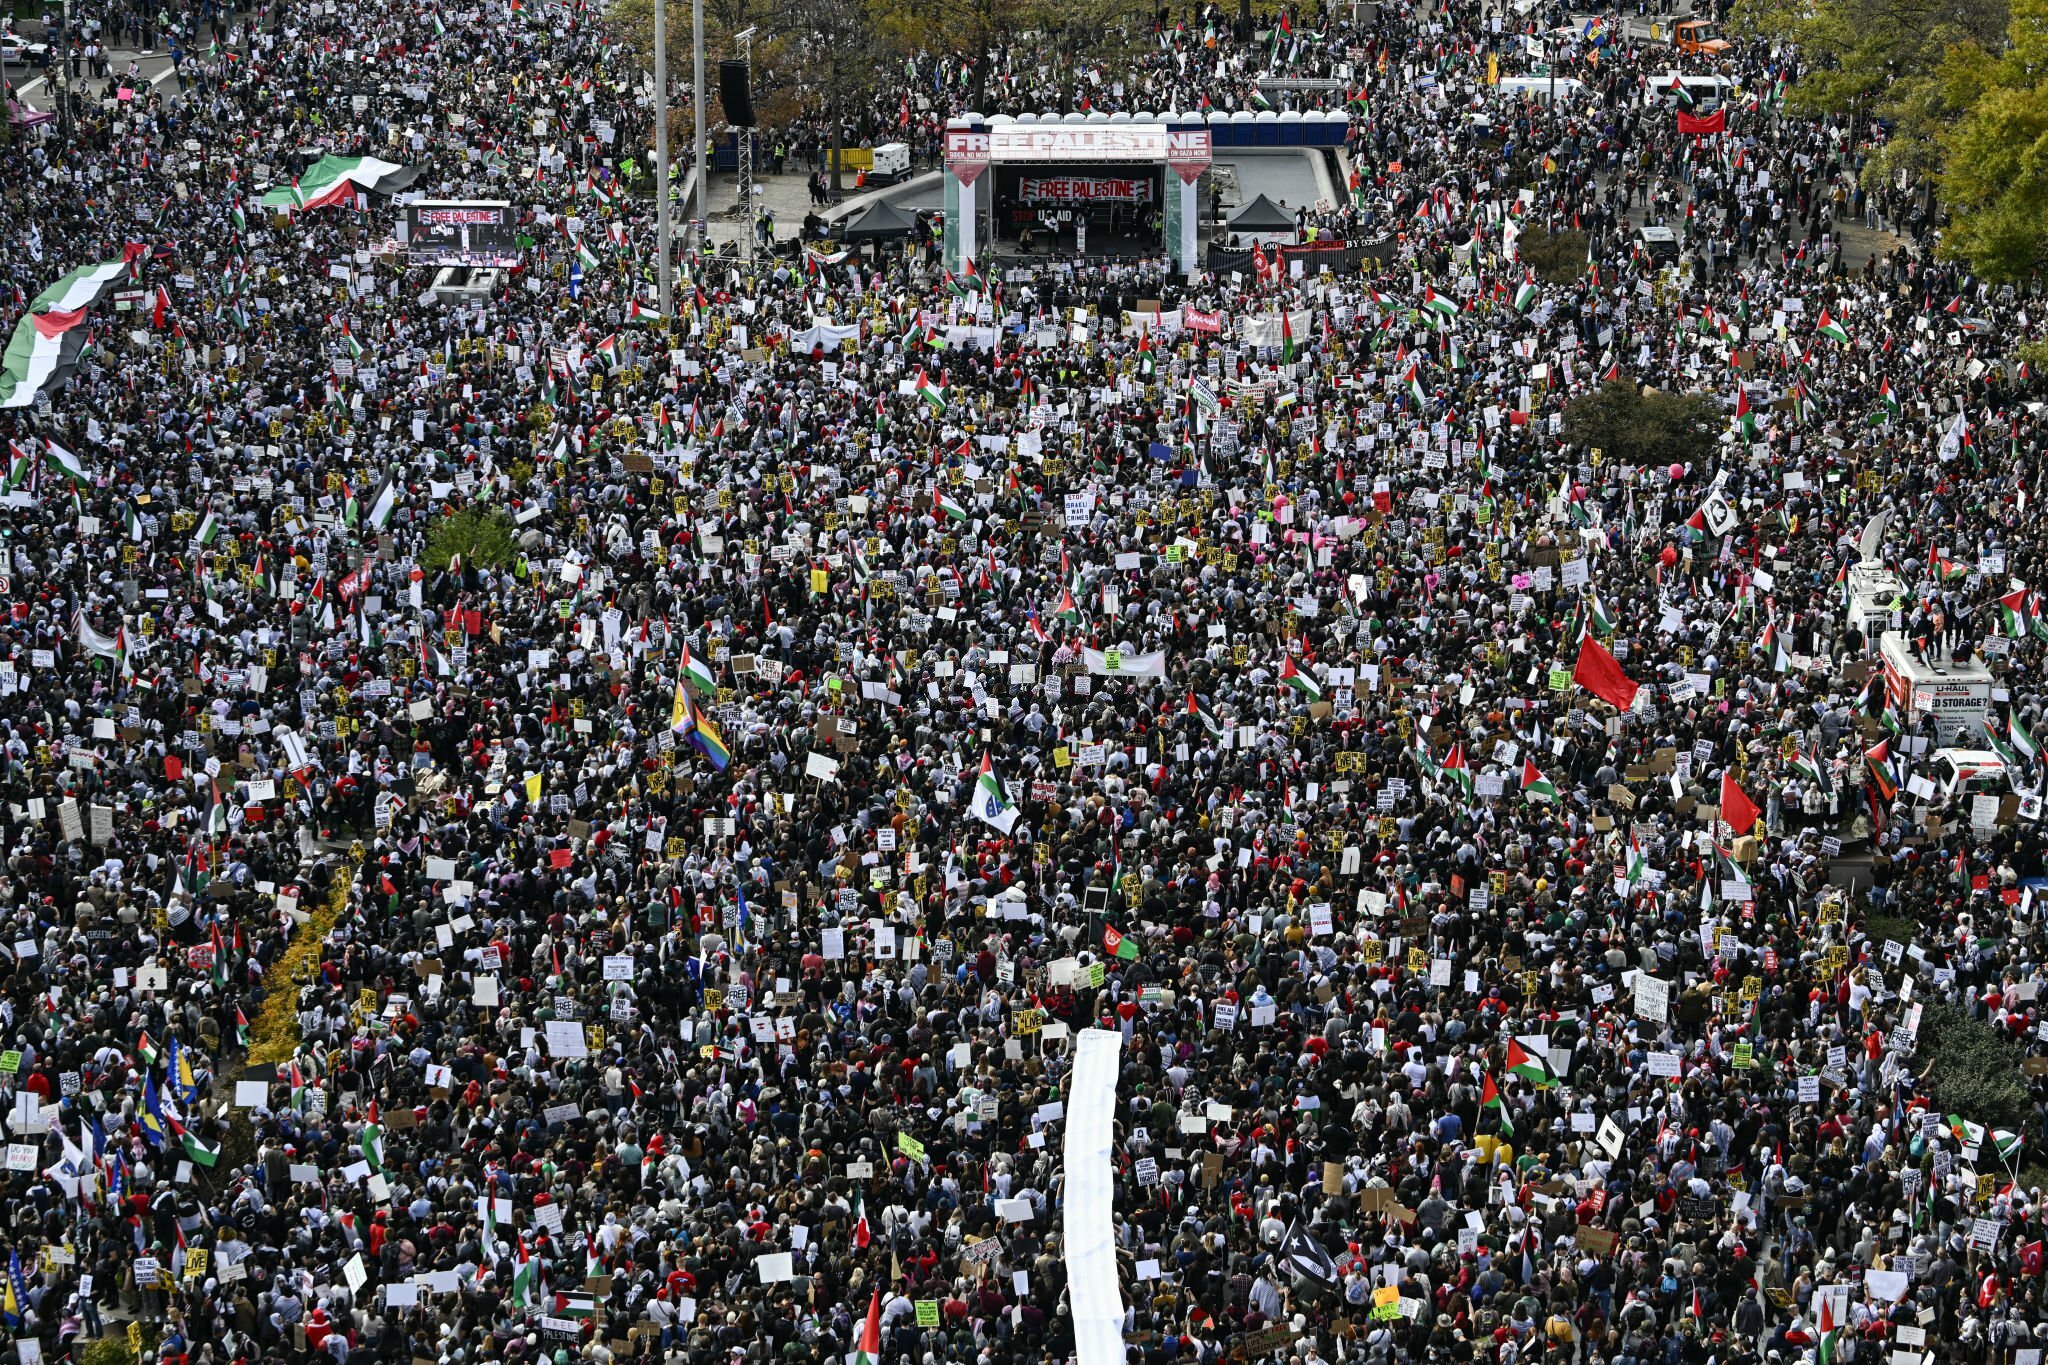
x,y
785,196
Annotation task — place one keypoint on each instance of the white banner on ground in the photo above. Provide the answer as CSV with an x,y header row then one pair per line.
x,y
1097,1300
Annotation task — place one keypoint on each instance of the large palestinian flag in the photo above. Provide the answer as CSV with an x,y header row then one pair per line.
x,y
48,341
335,179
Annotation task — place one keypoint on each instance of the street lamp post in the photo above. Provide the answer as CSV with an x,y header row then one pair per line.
x,y
661,223
697,158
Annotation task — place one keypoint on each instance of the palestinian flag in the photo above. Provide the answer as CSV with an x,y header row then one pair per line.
x,y
585,256
373,1146
965,283
1831,329
1068,609
1413,381
487,1209
384,503
577,1307
335,180
209,529
525,1279
199,1151
869,1352
63,462
1457,771
1208,721
1602,621
1678,92
1286,339
1535,786
1115,945
1527,1065
1526,293
638,312
862,1233
2022,741
697,674
1437,303
241,1028
147,1051
1727,869
1887,400
44,350
1425,761
1304,683
1637,866
20,465
1745,419
80,288
1771,647
1491,1104
1830,1333
2012,613
1803,763
947,503
934,394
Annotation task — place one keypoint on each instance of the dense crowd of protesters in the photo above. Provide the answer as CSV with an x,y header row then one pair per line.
x,y
540,830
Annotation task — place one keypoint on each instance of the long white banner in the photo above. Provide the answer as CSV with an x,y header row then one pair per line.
x,y
1093,1292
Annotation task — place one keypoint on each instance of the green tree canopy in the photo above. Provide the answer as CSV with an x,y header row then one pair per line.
x,y
1643,426
1994,176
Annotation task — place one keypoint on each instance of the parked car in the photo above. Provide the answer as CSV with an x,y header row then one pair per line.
x,y
16,50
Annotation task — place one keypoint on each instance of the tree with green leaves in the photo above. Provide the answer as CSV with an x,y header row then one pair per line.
x,y
1994,174
1882,59
1643,426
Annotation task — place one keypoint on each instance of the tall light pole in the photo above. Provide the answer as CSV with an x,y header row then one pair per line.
x,y
697,156
661,224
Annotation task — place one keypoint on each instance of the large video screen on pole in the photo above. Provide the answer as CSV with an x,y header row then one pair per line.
x,y
461,232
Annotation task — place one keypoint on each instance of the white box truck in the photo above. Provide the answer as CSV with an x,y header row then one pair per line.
x,y
1957,695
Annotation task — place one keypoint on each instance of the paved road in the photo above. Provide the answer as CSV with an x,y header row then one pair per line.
x,y
38,94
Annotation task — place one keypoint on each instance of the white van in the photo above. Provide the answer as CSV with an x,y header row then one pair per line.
x,y
1539,88
1957,695
1960,774
1708,92
1877,599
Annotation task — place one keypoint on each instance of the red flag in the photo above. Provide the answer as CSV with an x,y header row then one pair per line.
x,y
1598,673
1736,808
163,304
1716,122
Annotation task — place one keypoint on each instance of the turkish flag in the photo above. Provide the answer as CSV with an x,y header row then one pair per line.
x,y
1716,122
1598,673
1736,808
